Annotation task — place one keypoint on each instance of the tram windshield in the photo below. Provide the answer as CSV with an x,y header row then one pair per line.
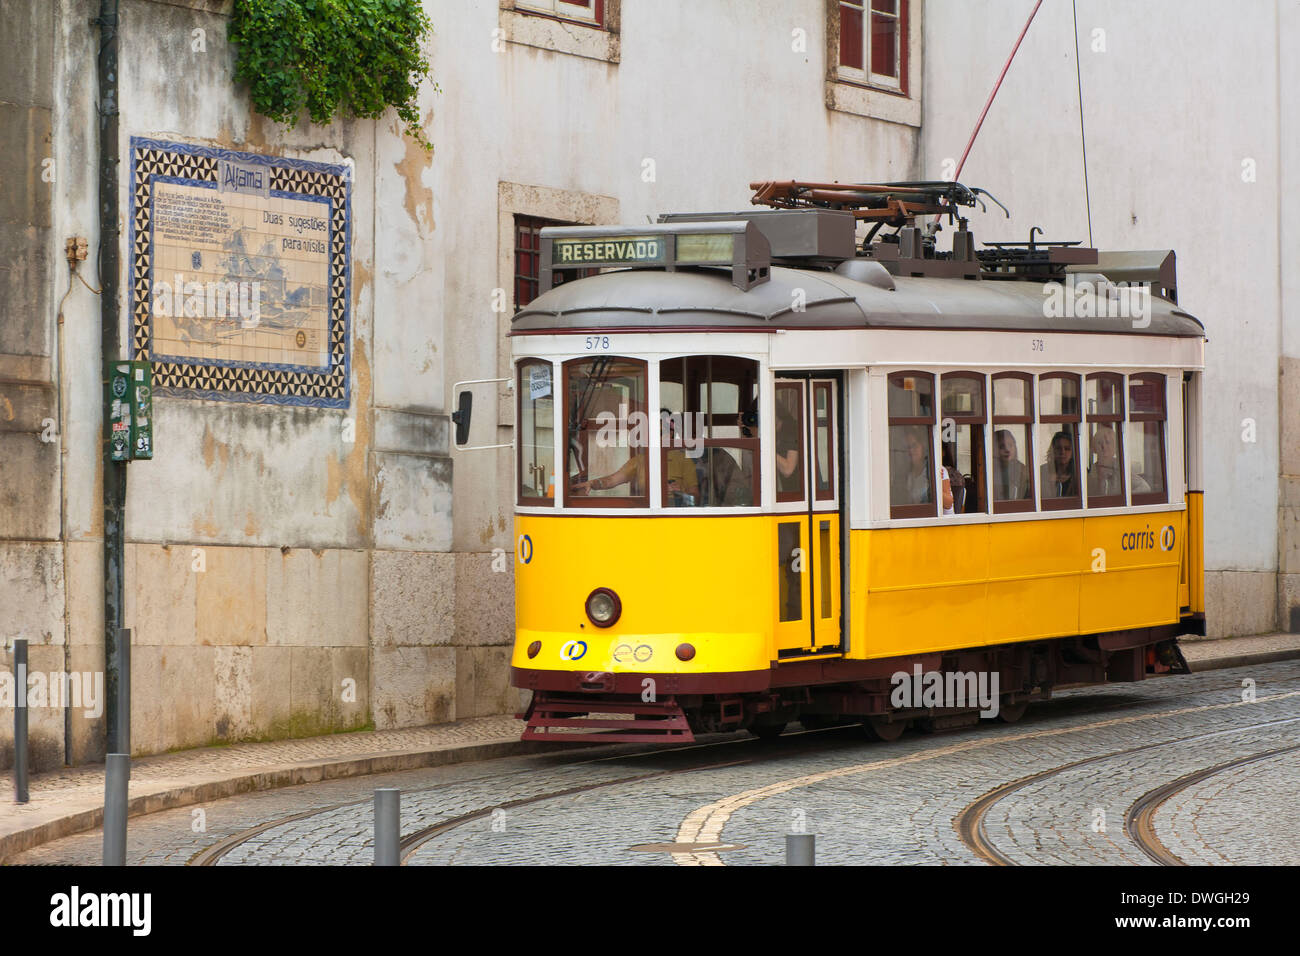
x,y
608,432
709,431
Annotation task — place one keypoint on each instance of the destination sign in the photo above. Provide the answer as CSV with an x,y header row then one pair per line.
x,y
617,250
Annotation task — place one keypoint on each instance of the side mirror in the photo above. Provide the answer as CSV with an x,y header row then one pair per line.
x,y
460,417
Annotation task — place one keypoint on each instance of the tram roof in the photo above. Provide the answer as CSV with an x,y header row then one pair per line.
x,y
705,299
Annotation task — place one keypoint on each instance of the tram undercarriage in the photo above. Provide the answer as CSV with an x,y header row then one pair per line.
x,y
931,692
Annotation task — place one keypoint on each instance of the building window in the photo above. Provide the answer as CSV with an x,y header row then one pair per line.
x,y
528,244
873,43
581,11
911,446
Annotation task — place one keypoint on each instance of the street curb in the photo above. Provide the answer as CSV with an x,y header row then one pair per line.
x,y
289,775
1243,660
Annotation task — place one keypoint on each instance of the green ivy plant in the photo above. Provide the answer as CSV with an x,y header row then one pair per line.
x,y
355,56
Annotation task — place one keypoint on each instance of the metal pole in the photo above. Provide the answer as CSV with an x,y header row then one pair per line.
x,y
20,720
388,817
124,690
114,485
800,849
117,771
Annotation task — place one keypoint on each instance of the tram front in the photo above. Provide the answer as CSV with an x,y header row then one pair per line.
x,y
647,582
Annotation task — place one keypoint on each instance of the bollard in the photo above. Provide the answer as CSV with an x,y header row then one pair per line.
x,y
117,771
20,720
800,849
388,817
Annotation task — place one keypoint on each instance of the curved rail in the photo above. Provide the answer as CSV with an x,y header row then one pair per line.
x,y
969,824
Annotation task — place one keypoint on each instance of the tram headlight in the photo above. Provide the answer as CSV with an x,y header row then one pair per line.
x,y
603,607
534,648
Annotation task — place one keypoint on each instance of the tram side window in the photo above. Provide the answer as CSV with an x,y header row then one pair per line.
x,y
607,433
1013,416
708,430
823,442
1146,438
789,441
1104,407
536,433
912,481
1058,437
962,440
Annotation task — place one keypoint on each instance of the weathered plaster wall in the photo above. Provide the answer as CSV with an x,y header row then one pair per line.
x,y
277,556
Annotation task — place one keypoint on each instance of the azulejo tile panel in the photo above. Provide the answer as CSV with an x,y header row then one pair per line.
x,y
241,269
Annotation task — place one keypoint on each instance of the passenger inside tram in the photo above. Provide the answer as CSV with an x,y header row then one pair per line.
x,y
787,451
954,490
1057,475
1010,476
911,479
1105,471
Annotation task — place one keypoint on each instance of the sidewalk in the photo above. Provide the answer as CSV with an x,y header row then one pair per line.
x,y
70,801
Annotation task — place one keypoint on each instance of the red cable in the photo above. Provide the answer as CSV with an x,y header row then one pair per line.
x,y
996,86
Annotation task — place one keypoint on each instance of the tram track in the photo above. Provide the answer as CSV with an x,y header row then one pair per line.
x,y
1139,822
212,855
969,823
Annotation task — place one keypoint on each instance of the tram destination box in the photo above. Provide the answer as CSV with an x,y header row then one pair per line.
x,y
810,235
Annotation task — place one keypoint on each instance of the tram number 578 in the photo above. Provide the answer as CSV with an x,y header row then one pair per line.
x,y
1035,345
598,343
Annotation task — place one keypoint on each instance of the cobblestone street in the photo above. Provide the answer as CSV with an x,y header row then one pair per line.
x,y
1062,786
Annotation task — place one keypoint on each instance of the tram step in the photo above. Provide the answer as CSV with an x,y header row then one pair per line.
x,y
583,720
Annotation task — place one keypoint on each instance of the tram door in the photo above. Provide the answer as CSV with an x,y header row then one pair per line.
x,y
807,528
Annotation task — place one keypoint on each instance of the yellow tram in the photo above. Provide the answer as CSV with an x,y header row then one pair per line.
x,y
768,471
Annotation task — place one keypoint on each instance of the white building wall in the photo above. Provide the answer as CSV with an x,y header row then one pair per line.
x,y
1189,143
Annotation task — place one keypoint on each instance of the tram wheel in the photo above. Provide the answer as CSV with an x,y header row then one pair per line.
x,y
817,721
880,728
1009,714
767,731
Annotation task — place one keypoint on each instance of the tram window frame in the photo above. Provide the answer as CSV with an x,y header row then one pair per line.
x,y
1161,416
977,422
1027,503
1115,421
572,500
1068,502
710,445
531,501
922,510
